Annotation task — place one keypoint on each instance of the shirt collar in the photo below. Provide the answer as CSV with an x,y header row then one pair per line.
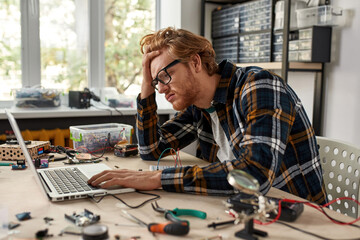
x,y
226,70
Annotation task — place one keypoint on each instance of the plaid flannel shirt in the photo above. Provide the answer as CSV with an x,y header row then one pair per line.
x,y
267,129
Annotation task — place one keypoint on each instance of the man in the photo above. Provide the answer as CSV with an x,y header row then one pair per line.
x,y
244,118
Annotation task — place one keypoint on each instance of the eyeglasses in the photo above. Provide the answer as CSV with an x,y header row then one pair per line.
x,y
163,76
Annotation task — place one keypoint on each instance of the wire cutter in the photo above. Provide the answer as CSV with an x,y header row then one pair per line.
x,y
172,214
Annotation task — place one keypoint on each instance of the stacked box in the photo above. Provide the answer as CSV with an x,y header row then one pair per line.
x,y
226,48
230,22
325,15
254,48
225,21
97,138
255,16
277,46
305,45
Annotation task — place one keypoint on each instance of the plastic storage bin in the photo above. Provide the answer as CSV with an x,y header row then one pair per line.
x,y
293,45
293,56
305,44
305,56
319,16
99,137
305,33
277,56
36,98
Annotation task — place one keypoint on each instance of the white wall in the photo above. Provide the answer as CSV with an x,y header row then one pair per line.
x,y
342,97
170,13
180,14
342,75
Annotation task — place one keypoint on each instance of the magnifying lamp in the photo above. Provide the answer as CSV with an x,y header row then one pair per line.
x,y
246,183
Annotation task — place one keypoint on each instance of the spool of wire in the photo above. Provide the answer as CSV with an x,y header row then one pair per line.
x,y
95,232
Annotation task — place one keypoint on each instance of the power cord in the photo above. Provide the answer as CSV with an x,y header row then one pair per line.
x,y
93,197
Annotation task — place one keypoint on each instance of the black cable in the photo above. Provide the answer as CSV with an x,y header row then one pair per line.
x,y
137,206
312,234
113,108
106,109
58,159
301,230
333,219
107,144
68,152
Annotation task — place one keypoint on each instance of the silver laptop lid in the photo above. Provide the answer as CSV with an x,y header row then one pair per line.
x,y
24,149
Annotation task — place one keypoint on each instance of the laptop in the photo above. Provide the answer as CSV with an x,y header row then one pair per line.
x,y
64,183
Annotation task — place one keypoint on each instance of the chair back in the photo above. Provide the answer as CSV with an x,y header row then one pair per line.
x,y
341,169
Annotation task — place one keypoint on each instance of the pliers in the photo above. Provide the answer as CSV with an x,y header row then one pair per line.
x,y
172,214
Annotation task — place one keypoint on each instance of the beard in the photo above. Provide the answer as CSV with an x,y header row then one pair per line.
x,y
187,94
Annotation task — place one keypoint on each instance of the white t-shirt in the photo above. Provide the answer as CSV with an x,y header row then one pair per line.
x,y
225,152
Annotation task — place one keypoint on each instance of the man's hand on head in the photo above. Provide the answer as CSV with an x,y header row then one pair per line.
x,y
141,180
146,88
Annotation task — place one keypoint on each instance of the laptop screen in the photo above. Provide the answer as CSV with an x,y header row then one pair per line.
x,y
24,149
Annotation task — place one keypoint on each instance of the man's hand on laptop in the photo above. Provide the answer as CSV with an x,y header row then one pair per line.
x,y
141,180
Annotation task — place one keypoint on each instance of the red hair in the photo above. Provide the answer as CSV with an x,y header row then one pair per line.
x,y
182,45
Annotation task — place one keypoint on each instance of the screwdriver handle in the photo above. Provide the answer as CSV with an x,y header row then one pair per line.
x,y
171,228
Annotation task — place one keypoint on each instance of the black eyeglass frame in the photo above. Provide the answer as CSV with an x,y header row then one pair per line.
x,y
156,80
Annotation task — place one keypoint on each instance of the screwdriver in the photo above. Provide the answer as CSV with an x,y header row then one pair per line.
x,y
171,228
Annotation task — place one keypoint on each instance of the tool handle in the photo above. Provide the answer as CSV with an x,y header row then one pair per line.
x,y
189,212
171,228
171,216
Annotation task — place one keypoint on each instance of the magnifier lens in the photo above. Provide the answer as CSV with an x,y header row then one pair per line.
x,y
243,181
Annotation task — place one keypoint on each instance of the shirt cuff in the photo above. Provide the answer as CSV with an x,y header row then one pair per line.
x,y
146,105
172,180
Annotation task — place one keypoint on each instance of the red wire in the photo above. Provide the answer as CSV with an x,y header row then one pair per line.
x,y
178,155
173,152
92,152
317,207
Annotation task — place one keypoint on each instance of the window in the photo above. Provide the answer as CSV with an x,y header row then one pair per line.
x,y
10,47
64,43
126,22
47,43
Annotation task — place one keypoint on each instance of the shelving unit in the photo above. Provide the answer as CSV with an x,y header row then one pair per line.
x,y
285,66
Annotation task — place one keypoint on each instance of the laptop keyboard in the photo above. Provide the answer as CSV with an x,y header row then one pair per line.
x,y
68,180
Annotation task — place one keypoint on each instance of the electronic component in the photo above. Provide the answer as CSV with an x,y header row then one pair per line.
x,y
41,162
20,165
83,219
79,99
12,151
245,202
23,216
125,150
13,225
83,156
